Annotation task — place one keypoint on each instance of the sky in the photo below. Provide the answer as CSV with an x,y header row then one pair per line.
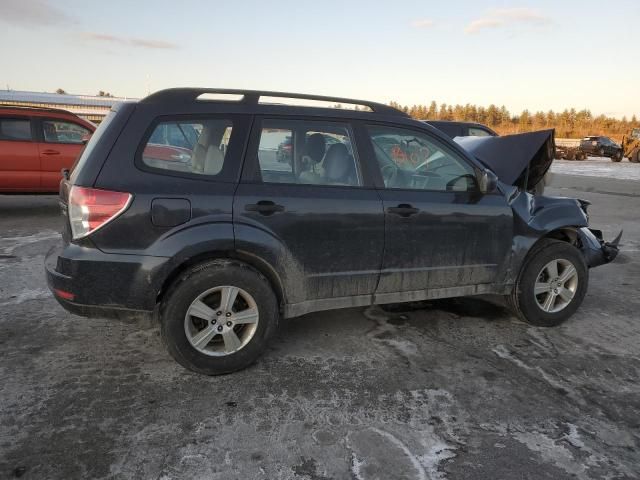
x,y
535,55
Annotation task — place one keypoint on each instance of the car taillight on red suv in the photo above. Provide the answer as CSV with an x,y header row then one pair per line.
x,y
92,208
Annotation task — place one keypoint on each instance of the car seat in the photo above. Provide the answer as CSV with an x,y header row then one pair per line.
x,y
312,154
339,168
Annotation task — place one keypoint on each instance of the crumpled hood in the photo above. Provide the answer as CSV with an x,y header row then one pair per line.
x,y
509,156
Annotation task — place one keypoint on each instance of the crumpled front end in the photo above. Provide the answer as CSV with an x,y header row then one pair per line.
x,y
595,250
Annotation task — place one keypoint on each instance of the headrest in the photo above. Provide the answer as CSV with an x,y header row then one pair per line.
x,y
314,147
337,163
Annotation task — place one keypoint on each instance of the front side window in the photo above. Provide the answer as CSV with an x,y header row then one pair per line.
x,y
411,160
56,131
15,129
307,152
188,146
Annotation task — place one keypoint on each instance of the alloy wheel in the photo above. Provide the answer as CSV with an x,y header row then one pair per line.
x,y
556,285
221,321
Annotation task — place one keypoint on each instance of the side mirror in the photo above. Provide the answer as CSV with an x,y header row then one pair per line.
x,y
86,138
487,182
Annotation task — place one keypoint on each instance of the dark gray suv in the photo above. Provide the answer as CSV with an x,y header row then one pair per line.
x,y
209,230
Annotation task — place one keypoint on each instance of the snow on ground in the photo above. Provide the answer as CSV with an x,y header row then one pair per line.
x,y
598,167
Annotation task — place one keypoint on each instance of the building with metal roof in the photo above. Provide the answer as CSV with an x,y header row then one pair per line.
x,y
90,107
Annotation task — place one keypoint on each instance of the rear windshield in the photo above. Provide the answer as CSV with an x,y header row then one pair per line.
x,y
93,141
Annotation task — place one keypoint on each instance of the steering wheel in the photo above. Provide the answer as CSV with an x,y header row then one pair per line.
x,y
438,164
389,173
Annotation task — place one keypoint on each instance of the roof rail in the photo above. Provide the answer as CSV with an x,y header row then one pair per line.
x,y
14,106
252,97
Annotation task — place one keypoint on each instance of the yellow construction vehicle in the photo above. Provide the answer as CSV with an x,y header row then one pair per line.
x,y
631,145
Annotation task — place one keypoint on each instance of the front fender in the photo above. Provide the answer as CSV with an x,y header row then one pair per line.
x,y
542,214
536,217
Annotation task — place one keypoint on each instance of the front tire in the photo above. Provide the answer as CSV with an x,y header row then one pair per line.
x,y
616,157
218,317
551,285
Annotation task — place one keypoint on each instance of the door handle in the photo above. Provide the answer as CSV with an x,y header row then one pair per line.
x,y
50,152
264,207
404,210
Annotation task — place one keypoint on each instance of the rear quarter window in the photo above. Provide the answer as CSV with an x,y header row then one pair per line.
x,y
197,146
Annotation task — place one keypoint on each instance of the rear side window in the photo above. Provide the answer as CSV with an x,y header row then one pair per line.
x,y
307,152
188,146
478,132
15,129
56,131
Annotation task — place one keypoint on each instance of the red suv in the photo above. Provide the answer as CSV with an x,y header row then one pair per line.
x,y
36,144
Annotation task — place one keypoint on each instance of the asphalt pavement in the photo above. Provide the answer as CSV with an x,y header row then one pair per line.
x,y
451,389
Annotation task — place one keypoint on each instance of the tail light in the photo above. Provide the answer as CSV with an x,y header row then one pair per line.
x,y
91,209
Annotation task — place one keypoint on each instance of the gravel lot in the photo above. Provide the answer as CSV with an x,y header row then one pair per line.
x,y
453,389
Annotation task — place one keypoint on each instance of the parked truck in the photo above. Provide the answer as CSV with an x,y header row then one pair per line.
x,y
569,149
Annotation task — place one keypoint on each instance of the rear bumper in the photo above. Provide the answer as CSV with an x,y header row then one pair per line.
x,y
595,250
91,283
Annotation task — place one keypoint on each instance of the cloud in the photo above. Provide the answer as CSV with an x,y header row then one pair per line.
x,y
503,17
33,13
130,41
423,23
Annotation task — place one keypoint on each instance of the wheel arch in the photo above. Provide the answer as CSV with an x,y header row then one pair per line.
x,y
256,263
567,234
525,247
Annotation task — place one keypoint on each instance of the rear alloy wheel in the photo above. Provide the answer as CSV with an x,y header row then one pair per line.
x,y
221,321
218,317
552,284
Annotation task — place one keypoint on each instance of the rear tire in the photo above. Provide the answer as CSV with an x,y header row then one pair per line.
x,y
541,296
207,334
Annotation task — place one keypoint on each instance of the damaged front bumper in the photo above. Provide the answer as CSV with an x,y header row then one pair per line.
x,y
595,250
